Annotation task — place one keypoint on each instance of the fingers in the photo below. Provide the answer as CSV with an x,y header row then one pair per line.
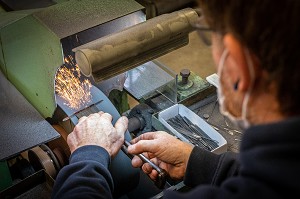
x,y
150,171
82,119
100,113
97,129
136,162
144,146
106,116
121,125
147,168
103,115
144,136
144,143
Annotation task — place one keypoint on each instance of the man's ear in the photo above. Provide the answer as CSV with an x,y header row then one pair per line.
x,y
237,62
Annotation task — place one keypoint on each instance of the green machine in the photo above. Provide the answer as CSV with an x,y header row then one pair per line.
x,y
34,42
33,46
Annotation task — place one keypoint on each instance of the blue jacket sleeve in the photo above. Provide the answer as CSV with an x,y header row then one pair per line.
x,y
87,175
205,167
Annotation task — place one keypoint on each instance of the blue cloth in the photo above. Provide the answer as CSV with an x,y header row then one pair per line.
x,y
268,166
86,176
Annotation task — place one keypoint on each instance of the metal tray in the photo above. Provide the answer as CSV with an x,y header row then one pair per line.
x,y
182,110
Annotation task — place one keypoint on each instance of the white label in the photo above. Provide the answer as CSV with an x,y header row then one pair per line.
x,y
213,79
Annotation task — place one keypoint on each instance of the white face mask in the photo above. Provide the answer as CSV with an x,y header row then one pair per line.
x,y
242,121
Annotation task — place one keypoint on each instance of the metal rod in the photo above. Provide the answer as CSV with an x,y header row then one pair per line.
x,y
184,126
69,117
144,159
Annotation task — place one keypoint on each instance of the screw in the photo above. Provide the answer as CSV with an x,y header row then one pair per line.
x,y
185,73
205,116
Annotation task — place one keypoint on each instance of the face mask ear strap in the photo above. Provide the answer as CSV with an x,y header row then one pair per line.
x,y
222,61
250,67
242,121
248,93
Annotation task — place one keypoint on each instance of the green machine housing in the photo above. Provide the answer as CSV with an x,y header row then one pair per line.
x,y
33,43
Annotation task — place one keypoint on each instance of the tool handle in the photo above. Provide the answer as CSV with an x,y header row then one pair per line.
x,y
161,179
162,174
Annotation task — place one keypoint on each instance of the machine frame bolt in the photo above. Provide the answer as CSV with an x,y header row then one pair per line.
x,y
185,73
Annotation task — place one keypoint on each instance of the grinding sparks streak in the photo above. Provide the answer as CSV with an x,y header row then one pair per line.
x,y
68,86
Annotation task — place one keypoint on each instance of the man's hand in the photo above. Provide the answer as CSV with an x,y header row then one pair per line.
x,y
164,150
97,129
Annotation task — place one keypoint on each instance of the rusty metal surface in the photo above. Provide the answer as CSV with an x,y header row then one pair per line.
x,y
22,127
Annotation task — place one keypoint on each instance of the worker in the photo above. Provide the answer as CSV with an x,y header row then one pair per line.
x,y
256,48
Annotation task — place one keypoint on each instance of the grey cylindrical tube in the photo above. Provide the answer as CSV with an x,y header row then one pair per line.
x,y
131,44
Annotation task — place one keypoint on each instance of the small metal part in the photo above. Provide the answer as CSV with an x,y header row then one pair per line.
x,y
205,116
69,117
185,84
185,73
162,174
237,131
192,132
225,121
229,131
144,159
212,110
216,128
161,179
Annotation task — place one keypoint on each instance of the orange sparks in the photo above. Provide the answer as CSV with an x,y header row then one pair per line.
x,y
68,86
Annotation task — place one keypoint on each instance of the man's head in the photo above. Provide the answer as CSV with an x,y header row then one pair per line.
x,y
270,31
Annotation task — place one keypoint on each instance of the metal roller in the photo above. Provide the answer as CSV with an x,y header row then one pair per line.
x,y
124,50
41,160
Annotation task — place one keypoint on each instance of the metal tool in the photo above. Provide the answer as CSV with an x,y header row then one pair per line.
x,y
70,116
162,174
192,131
140,118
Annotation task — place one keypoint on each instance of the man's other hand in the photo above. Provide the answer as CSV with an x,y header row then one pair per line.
x,y
97,129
